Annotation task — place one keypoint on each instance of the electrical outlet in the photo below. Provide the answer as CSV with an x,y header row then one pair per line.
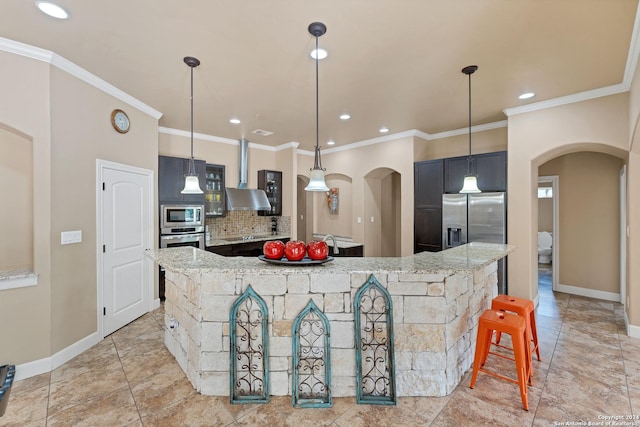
x,y
372,219
359,220
68,237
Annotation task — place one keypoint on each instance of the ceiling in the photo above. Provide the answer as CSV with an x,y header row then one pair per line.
x,y
394,64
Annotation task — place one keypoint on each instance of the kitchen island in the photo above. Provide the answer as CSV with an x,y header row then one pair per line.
x,y
436,300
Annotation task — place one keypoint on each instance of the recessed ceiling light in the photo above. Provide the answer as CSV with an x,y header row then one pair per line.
x,y
527,95
331,142
345,116
384,129
52,9
234,120
321,54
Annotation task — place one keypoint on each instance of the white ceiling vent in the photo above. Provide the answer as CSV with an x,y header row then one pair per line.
x,y
262,132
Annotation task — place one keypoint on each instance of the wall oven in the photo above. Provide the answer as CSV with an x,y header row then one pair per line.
x,y
182,225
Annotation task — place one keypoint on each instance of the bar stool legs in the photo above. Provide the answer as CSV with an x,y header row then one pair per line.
x,y
514,325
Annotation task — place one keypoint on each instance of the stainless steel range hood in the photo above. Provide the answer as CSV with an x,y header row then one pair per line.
x,y
243,198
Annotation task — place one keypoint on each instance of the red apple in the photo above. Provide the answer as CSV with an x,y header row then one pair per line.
x,y
273,249
295,250
317,250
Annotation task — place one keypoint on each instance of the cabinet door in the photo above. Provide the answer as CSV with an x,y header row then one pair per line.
x,y
428,178
215,196
171,172
170,179
492,171
271,183
427,230
455,169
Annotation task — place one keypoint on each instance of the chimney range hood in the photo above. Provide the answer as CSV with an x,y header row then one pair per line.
x,y
243,198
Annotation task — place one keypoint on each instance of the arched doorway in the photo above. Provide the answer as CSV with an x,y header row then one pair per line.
x,y
586,235
382,208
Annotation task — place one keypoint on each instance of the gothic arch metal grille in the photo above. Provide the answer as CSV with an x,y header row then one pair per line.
x,y
311,384
249,358
375,367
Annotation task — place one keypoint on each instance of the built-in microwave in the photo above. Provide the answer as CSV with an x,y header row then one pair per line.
x,y
178,219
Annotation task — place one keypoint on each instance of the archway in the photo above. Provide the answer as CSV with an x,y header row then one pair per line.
x,y
382,213
304,211
586,250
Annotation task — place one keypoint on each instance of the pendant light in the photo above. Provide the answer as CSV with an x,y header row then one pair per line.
x,y
191,183
316,183
470,181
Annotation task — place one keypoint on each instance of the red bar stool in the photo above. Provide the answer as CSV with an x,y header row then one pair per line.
x,y
522,307
507,323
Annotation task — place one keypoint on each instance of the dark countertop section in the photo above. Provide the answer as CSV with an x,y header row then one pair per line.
x,y
239,239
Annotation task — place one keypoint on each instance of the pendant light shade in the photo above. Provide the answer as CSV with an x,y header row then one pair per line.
x,y
470,184
317,182
191,182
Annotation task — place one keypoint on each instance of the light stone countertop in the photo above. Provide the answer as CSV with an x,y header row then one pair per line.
x,y
462,258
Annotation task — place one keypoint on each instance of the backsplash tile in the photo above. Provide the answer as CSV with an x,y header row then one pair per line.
x,y
245,223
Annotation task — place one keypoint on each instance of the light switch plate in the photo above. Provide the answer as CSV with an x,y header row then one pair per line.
x,y
68,237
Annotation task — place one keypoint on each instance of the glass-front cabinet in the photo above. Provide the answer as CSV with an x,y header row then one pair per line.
x,y
214,190
271,183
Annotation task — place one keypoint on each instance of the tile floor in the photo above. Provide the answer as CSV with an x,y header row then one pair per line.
x,y
590,369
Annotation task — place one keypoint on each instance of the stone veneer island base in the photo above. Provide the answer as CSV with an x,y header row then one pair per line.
x,y
437,299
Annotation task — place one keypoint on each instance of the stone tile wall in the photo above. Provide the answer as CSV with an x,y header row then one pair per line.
x,y
245,223
435,324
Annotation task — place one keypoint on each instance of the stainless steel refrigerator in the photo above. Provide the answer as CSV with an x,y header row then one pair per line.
x,y
480,217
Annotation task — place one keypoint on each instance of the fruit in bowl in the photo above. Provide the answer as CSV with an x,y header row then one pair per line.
x,y
295,250
273,249
317,250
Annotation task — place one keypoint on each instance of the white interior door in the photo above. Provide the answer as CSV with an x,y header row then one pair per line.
x,y
126,233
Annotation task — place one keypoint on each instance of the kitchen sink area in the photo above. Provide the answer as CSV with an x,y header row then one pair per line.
x,y
346,246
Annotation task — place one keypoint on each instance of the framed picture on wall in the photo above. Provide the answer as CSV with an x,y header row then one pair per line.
x,y
333,199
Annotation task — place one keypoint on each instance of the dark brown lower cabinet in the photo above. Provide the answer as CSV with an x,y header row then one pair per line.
x,y
355,251
248,249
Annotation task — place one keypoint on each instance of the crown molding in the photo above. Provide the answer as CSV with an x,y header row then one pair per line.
x,y
202,136
229,141
569,99
464,131
69,67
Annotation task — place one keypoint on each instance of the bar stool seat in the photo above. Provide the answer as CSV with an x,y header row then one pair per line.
x,y
507,323
522,307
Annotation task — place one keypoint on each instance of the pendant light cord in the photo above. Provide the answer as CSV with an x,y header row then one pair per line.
x,y
317,164
192,166
469,158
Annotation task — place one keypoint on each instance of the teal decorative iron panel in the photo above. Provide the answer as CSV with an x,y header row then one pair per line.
x,y
311,382
249,358
375,367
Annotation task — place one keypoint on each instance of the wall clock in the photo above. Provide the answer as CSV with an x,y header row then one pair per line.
x,y
120,121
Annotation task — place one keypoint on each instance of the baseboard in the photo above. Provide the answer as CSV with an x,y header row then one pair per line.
x,y
590,293
632,330
155,304
48,364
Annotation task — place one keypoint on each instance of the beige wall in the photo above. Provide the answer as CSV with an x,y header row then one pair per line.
x,y
589,221
534,138
339,224
545,215
69,124
24,106
16,179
